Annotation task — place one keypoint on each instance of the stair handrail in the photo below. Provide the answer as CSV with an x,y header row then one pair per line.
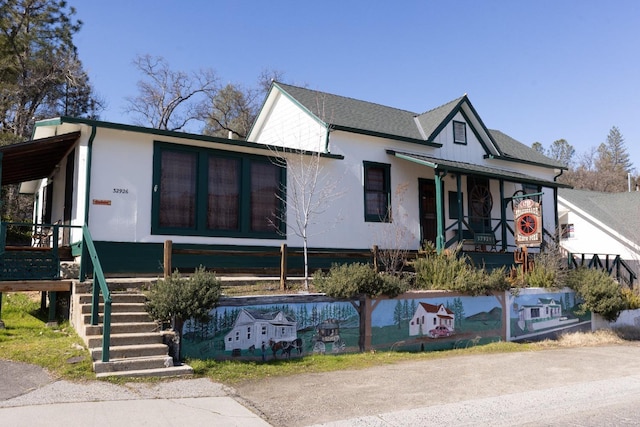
x,y
98,277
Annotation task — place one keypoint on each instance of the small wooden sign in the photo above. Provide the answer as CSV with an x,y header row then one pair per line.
x,y
102,202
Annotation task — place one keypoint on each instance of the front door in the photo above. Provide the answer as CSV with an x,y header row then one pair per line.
x,y
428,217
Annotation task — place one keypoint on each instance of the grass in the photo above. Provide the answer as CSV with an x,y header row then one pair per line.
x,y
27,338
61,351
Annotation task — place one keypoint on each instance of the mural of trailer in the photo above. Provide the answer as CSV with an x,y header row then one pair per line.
x,y
547,313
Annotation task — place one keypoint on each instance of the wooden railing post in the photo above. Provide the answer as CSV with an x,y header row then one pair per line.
x,y
168,249
283,267
375,258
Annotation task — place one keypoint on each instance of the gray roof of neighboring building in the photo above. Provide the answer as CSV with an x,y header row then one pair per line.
x,y
371,118
620,211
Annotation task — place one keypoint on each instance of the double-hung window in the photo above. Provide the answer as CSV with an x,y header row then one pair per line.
x,y
208,192
377,192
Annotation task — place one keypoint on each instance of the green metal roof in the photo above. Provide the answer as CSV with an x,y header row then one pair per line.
x,y
469,168
617,210
364,117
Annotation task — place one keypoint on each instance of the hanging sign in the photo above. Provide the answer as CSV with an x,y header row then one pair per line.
x,y
528,222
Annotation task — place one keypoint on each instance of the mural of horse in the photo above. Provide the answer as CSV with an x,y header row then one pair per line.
x,y
285,347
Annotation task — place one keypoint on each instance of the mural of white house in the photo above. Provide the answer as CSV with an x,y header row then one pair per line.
x,y
439,176
432,320
256,329
547,313
602,224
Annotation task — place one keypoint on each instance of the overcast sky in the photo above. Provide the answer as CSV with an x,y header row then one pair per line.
x,y
537,70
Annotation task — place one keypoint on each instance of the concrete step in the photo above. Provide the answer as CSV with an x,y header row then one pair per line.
x,y
120,318
172,371
124,328
117,307
133,364
124,297
128,351
120,340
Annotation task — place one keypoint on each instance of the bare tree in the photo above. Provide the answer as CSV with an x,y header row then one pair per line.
x,y
170,99
232,110
308,193
395,237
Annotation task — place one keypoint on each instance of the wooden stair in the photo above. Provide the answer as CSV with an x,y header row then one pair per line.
x,y
137,347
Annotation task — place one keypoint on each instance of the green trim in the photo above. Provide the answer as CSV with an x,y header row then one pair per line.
x,y
439,213
522,161
387,136
146,259
387,188
443,124
88,176
202,167
320,121
175,134
456,169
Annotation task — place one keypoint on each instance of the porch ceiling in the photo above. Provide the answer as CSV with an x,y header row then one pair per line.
x,y
36,159
472,169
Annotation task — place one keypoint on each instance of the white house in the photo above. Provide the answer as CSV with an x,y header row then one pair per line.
x,y
605,225
403,178
256,329
429,317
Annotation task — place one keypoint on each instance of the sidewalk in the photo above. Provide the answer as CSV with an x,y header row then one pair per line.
x,y
30,397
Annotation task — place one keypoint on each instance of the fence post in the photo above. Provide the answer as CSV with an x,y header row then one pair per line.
x,y
374,249
168,248
283,267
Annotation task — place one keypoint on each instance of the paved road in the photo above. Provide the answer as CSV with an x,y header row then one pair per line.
x,y
591,386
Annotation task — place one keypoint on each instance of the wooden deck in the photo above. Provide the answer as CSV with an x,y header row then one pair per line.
x,y
36,285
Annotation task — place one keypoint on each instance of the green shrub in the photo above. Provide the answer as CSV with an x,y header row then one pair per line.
x,y
451,271
599,291
548,270
178,299
350,280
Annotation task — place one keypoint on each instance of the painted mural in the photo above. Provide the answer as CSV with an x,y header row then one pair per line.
x,y
271,331
442,321
268,328
538,314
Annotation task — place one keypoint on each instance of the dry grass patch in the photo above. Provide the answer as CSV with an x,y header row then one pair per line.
x,y
584,339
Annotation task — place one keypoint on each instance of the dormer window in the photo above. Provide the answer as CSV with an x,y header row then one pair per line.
x,y
459,132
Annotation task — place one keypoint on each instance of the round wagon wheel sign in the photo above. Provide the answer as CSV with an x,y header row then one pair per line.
x,y
527,224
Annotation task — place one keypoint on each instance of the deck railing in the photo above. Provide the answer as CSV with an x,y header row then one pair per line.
x,y
33,252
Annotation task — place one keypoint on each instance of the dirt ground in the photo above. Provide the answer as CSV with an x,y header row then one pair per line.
x,y
309,399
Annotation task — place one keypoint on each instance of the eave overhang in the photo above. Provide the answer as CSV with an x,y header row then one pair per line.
x,y
444,166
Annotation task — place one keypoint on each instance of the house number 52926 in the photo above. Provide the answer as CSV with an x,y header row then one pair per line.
x,y
121,190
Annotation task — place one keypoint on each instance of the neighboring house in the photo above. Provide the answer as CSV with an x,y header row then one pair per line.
x,y
255,329
546,314
430,317
407,178
602,224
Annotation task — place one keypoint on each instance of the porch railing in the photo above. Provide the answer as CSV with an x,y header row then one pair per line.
x,y
612,264
31,251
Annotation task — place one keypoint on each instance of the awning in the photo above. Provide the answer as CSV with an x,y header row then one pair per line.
x,y
36,159
473,169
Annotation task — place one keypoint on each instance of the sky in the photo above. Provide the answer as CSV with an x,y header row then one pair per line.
x,y
537,70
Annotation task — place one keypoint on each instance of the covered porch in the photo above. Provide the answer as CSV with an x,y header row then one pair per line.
x,y
472,206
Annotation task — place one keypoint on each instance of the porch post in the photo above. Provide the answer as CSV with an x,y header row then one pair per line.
x,y
439,214
503,217
460,210
556,218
